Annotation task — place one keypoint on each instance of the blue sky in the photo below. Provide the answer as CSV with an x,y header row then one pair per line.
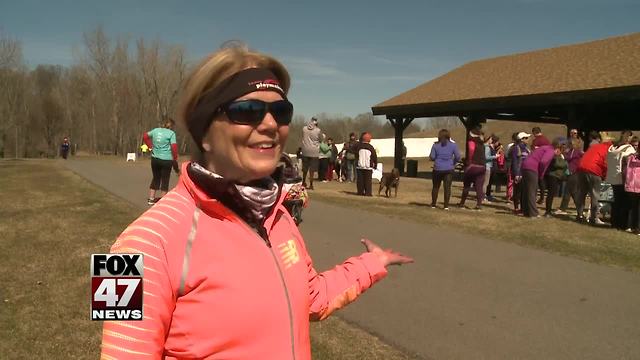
x,y
344,56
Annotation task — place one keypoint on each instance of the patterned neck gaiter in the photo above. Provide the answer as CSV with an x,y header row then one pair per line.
x,y
252,201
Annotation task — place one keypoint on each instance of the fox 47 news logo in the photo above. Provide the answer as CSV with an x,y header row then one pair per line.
x,y
116,286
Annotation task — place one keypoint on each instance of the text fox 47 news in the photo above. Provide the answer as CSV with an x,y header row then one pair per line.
x,y
116,286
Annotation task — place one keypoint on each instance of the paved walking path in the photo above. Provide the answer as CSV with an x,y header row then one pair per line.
x,y
466,297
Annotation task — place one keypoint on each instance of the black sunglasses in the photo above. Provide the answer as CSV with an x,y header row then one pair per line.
x,y
252,112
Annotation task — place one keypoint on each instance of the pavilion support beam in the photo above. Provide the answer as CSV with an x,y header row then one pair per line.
x,y
399,125
470,122
573,122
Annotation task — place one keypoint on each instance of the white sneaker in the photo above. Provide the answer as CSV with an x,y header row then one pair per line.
x,y
597,221
560,212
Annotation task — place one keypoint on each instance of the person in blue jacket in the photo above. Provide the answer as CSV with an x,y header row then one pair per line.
x,y
446,155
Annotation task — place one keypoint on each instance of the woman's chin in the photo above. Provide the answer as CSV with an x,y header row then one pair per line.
x,y
259,170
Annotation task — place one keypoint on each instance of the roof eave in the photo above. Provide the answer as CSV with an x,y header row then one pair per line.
x,y
459,107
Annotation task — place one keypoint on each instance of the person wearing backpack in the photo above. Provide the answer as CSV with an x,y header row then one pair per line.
x,y
631,176
616,156
573,155
350,157
554,177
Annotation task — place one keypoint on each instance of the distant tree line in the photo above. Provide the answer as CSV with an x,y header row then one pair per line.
x,y
115,90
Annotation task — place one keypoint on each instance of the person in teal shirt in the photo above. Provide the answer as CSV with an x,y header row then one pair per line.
x,y
164,156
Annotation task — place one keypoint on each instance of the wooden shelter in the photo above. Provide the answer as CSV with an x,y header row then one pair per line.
x,y
588,86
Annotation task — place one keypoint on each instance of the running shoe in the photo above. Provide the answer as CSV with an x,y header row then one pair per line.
x,y
560,212
446,209
151,201
596,221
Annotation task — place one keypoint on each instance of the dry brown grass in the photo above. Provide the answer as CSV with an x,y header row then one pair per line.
x,y
559,235
51,221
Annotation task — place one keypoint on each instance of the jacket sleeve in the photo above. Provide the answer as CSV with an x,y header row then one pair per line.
x,y
174,151
516,162
147,140
333,289
433,155
143,339
374,158
456,154
544,163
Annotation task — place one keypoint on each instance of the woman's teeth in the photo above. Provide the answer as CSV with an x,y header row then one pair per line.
x,y
264,146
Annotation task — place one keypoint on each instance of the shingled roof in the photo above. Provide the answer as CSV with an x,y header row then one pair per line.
x,y
612,63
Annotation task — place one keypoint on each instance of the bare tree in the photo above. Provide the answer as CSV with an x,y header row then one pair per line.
x,y
162,68
12,76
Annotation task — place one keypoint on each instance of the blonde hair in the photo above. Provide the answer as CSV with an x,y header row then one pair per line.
x,y
219,66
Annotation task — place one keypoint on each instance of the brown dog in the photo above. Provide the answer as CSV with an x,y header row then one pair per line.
x,y
388,181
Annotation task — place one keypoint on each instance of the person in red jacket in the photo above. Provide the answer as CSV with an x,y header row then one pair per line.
x,y
592,169
227,274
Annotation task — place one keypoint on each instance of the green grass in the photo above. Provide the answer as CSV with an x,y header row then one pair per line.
x,y
558,235
51,220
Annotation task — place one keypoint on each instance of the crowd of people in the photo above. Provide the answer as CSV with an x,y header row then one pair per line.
x,y
539,170
535,169
355,162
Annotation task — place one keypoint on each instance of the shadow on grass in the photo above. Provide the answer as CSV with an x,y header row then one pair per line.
x,y
349,193
413,203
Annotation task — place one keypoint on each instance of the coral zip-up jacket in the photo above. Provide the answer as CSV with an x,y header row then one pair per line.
x,y
214,289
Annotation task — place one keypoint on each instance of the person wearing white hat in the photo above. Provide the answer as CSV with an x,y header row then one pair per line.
x,y
517,153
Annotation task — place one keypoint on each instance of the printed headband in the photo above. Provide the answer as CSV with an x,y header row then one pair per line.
x,y
240,84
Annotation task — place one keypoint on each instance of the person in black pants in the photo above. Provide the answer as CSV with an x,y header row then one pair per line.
x,y
445,154
533,169
161,170
555,175
367,161
164,157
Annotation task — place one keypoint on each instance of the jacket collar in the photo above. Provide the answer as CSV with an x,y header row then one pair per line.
x,y
215,208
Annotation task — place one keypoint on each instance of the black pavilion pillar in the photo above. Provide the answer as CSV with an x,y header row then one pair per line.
x,y
399,125
470,122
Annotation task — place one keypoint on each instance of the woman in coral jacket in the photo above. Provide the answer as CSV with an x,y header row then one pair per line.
x,y
227,274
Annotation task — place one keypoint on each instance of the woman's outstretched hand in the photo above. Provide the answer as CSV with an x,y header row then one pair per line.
x,y
387,257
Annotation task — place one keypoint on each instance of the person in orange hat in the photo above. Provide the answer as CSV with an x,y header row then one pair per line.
x,y
367,162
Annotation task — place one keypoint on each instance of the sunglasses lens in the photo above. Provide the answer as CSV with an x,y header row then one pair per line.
x,y
249,112
252,112
282,111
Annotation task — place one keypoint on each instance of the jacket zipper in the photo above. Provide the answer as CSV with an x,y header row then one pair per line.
x,y
284,284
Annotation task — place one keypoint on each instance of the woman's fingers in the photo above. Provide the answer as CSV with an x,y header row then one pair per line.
x,y
399,259
388,256
370,245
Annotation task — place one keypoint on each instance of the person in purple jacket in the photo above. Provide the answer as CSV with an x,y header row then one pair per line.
x,y
518,153
573,155
446,155
534,168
